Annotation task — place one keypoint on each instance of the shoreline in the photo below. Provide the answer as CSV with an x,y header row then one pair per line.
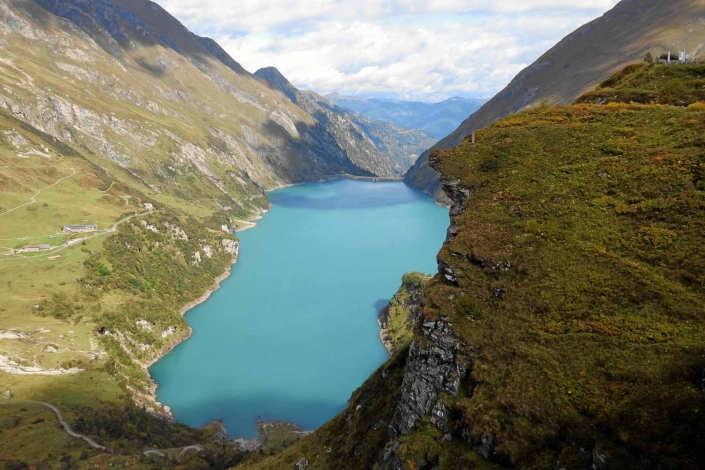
x,y
153,386
161,408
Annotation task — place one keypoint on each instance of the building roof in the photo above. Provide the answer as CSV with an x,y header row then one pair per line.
x,y
43,246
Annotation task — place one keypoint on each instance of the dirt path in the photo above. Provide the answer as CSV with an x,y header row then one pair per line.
x,y
91,442
65,425
34,198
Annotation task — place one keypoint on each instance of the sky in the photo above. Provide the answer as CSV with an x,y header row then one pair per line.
x,y
424,50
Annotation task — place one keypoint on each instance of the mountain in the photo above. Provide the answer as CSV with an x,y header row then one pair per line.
x,y
579,62
370,144
437,119
564,328
173,103
114,115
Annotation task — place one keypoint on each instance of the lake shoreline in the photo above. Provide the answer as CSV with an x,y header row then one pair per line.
x,y
163,409
185,334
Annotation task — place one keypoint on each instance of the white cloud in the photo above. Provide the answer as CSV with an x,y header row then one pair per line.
x,y
402,48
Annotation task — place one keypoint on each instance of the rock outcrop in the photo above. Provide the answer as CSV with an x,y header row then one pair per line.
x,y
435,366
399,319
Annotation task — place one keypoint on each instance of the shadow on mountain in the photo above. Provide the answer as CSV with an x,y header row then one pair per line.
x,y
381,304
313,156
152,69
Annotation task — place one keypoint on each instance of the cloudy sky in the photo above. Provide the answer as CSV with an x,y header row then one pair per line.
x,y
406,49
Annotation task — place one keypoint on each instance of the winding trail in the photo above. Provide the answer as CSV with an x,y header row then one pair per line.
x,y
91,442
63,422
155,452
196,447
34,198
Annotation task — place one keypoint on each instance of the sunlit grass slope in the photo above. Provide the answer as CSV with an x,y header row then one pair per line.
x,y
579,299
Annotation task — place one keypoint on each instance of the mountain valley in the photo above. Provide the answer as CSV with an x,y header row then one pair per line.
x,y
562,329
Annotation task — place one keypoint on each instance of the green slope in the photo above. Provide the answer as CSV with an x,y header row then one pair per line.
x,y
579,62
572,288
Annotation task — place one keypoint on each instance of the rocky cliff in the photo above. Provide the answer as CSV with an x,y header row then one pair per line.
x,y
378,147
128,85
563,329
578,63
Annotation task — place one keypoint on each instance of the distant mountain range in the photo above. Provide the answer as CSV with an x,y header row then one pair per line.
x,y
388,149
436,119
579,62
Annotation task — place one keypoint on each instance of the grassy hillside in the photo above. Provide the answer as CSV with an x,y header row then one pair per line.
x,y
79,321
574,286
95,123
677,85
579,62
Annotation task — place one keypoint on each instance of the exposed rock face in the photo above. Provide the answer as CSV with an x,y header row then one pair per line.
x,y
381,149
434,368
302,464
224,140
431,369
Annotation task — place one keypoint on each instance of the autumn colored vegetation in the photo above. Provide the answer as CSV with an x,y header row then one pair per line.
x,y
580,294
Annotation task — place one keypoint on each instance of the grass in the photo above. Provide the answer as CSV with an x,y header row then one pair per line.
x,y
404,309
60,333
596,331
678,85
579,298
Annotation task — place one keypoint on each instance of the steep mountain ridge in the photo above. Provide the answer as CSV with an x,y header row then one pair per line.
x,y
579,62
368,143
437,119
113,114
564,328
186,110
158,70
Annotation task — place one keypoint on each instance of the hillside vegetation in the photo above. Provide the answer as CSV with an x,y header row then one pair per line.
x,y
113,113
580,62
573,284
677,85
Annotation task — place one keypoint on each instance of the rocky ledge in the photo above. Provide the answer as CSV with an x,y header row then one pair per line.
x,y
435,366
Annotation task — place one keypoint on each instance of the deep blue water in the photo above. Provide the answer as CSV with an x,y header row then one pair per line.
x,y
293,331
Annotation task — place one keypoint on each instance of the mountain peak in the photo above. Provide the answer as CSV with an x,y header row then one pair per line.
x,y
122,25
278,81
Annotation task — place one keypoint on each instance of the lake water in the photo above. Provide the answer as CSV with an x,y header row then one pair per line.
x,y
293,331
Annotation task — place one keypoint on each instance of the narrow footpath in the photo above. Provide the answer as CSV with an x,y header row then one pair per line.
x,y
63,422
91,442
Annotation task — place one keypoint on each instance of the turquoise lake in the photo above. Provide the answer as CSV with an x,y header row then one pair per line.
x,y
293,331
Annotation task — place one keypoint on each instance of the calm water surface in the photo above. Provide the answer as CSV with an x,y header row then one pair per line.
x,y
293,331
